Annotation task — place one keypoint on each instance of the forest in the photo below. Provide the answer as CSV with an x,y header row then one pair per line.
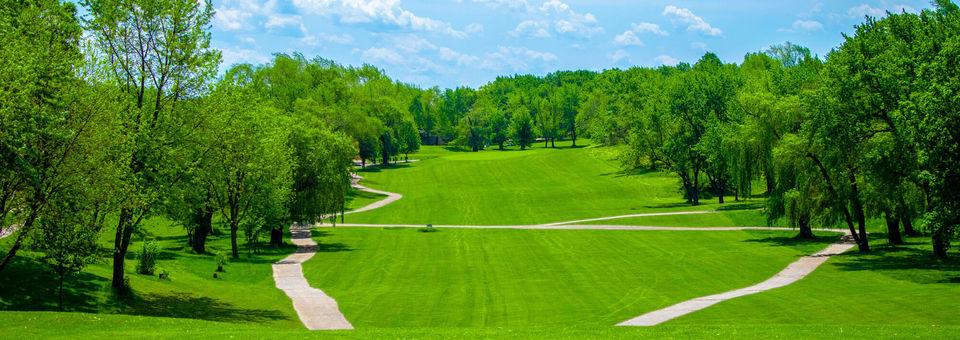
x,y
125,112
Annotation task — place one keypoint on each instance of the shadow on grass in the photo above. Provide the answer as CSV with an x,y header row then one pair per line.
x,y
912,262
740,206
189,306
28,285
630,172
796,242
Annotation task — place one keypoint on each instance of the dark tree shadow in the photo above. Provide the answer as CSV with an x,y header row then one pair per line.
x,y
629,172
796,242
912,261
189,306
29,285
740,206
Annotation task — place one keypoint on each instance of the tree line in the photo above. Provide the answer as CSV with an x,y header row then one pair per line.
x,y
870,131
122,115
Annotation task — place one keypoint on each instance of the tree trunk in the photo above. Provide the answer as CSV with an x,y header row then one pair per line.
x,y
805,231
24,230
203,221
276,237
941,241
696,187
893,228
858,213
768,176
60,289
234,226
720,192
574,137
121,244
384,153
553,142
905,218
908,225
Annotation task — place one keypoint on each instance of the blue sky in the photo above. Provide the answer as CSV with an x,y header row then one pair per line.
x,y
471,42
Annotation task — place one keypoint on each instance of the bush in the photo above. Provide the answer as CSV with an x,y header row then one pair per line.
x,y
221,262
148,258
428,229
163,274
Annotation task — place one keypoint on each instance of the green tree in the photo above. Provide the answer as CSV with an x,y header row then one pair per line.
x,y
521,127
158,53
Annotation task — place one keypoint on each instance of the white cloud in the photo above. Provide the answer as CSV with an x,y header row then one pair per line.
x,y
630,38
666,60
377,54
388,12
460,58
232,56
558,16
532,28
694,23
807,25
699,45
473,28
511,4
230,19
339,39
627,38
646,27
619,55
866,10
517,59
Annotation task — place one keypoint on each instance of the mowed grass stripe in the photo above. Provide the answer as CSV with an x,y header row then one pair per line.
x,y
524,278
518,187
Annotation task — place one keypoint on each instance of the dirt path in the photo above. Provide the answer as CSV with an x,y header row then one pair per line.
x,y
316,309
793,273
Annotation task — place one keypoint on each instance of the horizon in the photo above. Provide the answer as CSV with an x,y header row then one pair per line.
x,y
439,44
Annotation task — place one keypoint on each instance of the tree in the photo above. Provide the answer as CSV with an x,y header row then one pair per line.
x,y
472,130
158,53
67,236
50,125
252,158
521,127
498,127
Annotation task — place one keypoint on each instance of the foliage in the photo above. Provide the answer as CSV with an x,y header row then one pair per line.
x,y
147,258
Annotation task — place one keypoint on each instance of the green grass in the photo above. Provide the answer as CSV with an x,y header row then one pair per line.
x,y
394,277
734,218
901,285
245,293
359,199
34,325
520,187
462,283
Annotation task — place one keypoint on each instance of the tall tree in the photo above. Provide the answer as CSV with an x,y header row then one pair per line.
x,y
159,54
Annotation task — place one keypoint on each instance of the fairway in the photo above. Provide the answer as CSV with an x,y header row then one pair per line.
x,y
389,277
480,169
540,185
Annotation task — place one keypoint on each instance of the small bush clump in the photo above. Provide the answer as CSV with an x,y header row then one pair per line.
x,y
428,229
221,262
148,258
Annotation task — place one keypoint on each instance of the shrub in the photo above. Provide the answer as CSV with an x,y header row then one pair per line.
x,y
148,258
221,262
163,274
428,229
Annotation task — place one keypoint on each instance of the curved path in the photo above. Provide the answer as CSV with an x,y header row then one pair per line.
x,y
793,273
391,196
319,311
316,309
